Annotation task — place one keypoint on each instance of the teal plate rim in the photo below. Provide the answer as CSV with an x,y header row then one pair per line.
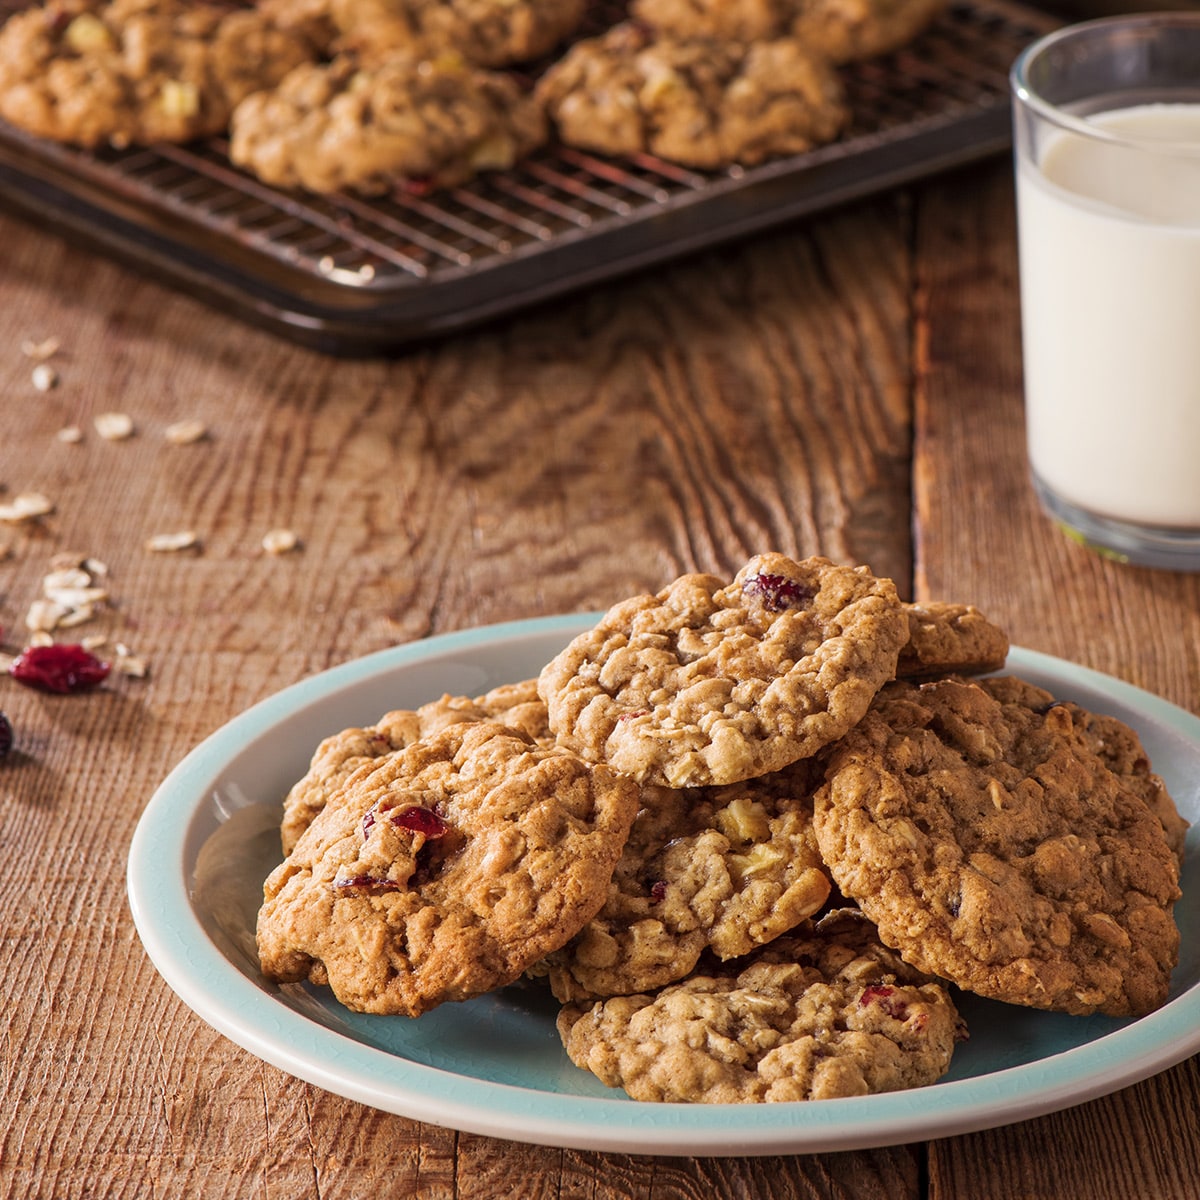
x,y
174,920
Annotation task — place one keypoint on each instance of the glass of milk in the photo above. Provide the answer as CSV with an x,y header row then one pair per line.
x,y
1107,148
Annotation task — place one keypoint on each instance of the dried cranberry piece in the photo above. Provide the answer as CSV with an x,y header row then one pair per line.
x,y
885,997
368,883
420,820
58,668
629,716
777,592
6,735
658,891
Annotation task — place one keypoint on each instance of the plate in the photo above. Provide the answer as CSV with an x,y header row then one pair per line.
x,y
494,1065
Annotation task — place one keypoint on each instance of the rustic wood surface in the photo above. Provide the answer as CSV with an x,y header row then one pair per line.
x,y
849,386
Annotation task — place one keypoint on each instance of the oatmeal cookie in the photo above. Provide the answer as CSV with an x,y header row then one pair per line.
x,y
704,103
339,756
711,683
445,871
1118,747
488,33
975,825
718,869
134,72
950,639
829,1012
839,30
347,125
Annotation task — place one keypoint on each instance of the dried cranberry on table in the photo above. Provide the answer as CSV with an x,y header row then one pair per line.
x,y
61,668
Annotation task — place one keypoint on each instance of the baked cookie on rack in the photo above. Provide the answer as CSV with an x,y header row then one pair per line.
x,y
840,30
974,823
723,870
369,127
134,72
828,1012
703,103
711,682
445,871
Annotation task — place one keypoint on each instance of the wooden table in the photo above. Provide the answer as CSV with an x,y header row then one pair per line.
x,y
850,385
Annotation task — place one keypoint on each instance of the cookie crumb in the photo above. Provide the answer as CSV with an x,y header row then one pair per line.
x,y
71,434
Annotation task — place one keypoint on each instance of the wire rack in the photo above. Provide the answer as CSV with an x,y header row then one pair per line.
x,y
351,275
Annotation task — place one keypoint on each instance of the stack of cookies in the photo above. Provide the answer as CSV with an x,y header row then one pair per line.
x,y
752,834
371,95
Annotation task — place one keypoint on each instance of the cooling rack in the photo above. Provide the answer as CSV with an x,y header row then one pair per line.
x,y
349,275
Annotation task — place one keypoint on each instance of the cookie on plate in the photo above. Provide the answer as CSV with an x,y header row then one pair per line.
x,y
446,871
339,756
950,639
840,30
975,825
1118,747
134,72
718,869
827,1013
704,103
710,682
350,125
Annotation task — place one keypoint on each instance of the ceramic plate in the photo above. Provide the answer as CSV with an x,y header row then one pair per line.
x,y
494,1065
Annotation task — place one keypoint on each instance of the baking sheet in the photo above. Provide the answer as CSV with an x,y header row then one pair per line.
x,y
348,275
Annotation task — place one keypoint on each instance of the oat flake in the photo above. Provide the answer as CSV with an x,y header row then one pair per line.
x,y
280,541
168,542
184,433
114,426
25,507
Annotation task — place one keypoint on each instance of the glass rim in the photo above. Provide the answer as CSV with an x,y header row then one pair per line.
x,y
1024,92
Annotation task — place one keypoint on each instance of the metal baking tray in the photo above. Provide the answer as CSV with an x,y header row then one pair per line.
x,y
347,275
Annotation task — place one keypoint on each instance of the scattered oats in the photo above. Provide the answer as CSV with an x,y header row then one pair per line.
x,y
25,507
40,638
93,641
67,560
280,541
130,664
44,377
44,615
95,568
184,433
77,616
167,542
6,661
114,426
42,350
71,434
60,577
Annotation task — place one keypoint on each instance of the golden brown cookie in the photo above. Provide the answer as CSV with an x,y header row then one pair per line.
x,y
711,682
133,72
350,125
840,30
975,825
720,869
703,103
339,756
827,1013
445,871
950,639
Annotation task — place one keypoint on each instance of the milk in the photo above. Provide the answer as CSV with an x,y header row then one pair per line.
x,y
1110,297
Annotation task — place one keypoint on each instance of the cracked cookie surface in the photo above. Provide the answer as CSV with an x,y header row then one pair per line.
x,y
134,72
829,1012
710,682
718,869
445,871
339,756
976,826
840,30
371,126
705,103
